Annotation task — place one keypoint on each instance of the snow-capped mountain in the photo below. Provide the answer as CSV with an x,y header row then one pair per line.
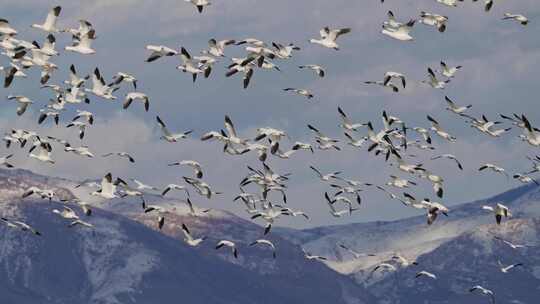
x,y
123,261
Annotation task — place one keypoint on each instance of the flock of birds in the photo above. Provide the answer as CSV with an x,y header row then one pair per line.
x,y
392,142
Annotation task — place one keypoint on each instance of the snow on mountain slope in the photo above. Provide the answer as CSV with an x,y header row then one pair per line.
x,y
410,237
122,261
468,260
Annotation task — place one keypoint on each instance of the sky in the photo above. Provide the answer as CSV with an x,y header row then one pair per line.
x,y
499,58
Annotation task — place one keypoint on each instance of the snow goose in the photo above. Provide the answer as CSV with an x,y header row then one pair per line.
x,y
74,80
120,154
303,146
519,18
10,73
48,46
125,77
134,96
84,44
452,107
434,20
447,71
449,156
99,88
189,66
321,137
199,4
83,29
82,150
66,213
384,266
188,238
20,225
434,82
435,126
50,22
246,69
512,245
436,180
346,122
196,166
400,182
505,269
142,186
493,168
232,136
401,33
108,187
23,103
159,51
6,29
424,273
301,92
357,143
175,187
404,262
280,153
43,193
201,187
4,161
319,70
79,125
388,76
392,22
48,113
388,85
325,177
532,135
43,154
484,291
168,136
89,116
217,48
265,243
80,223
433,210
450,3
329,37
284,51
312,257
251,41
231,245
525,179
488,4
499,211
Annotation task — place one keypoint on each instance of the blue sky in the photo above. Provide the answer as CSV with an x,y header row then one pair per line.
x,y
500,60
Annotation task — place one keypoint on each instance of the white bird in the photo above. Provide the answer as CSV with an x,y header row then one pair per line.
x,y
67,213
434,20
532,135
401,33
452,107
325,177
80,223
329,37
488,4
196,166
505,269
517,17
174,187
159,51
100,88
48,113
311,257
392,22
4,161
44,153
79,125
50,22
23,103
493,168
439,131
388,85
84,44
108,187
199,4
434,82
142,186
512,245
447,71
284,51
394,75
134,96
354,253
484,291
229,244
188,238
388,267
189,66
201,187
266,243
302,92
499,211
400,182
74,79
347,124
168,136
43,193
355,142
316,68
125,77
21,225
217,48
89,116
120,154
6,29
82,151
83,29
449,156
425,274
525,179
451,3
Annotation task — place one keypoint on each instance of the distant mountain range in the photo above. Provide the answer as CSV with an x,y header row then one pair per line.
x,y
126,259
